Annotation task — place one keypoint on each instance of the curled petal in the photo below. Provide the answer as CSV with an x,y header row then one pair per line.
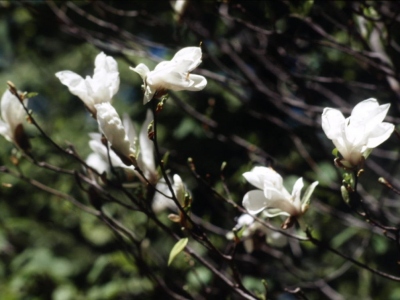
x,y
142,70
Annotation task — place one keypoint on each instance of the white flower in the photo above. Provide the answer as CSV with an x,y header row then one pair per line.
x,y
356,135
172,75
247,221
13,115
99,159
111,126
97,89
160,202
271,195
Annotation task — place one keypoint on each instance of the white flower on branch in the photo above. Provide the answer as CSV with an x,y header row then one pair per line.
x,y
172,75
111,126
272,197
100,158
355,136
161,202
97,89
13,115
250,228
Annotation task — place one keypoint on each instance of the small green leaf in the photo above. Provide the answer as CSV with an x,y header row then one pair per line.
x,y
31,95
178,247
335,152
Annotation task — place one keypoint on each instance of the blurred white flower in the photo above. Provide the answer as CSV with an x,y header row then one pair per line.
x,y
97,89
272,197
99,160
172,75
111,126
251,227
161,203
13,115
356,135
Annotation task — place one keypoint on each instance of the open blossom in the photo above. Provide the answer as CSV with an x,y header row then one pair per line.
x,y
12,116
97,89
272,197
356,135
172,75
111,126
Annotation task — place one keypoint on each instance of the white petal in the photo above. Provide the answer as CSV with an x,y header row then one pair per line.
x,y
130,130
305,201
364,106
257,176
196,83
332,123
160,202
106,63
192,54
77,86
243,220
96,161
298,186
142,70
97,146
5,131
254,201
12,111
106,74
380,134
146,156
179,189
111,126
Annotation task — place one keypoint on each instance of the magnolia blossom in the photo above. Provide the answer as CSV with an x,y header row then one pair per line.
x,y
272,197
172,75
100,158
356,135
250,227
13,115
111,126
160,202
97,89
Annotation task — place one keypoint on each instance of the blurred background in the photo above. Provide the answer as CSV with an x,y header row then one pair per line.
x,y
272,67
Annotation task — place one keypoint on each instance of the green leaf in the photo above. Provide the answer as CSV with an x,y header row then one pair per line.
x,y
335,152
31,95
178,247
